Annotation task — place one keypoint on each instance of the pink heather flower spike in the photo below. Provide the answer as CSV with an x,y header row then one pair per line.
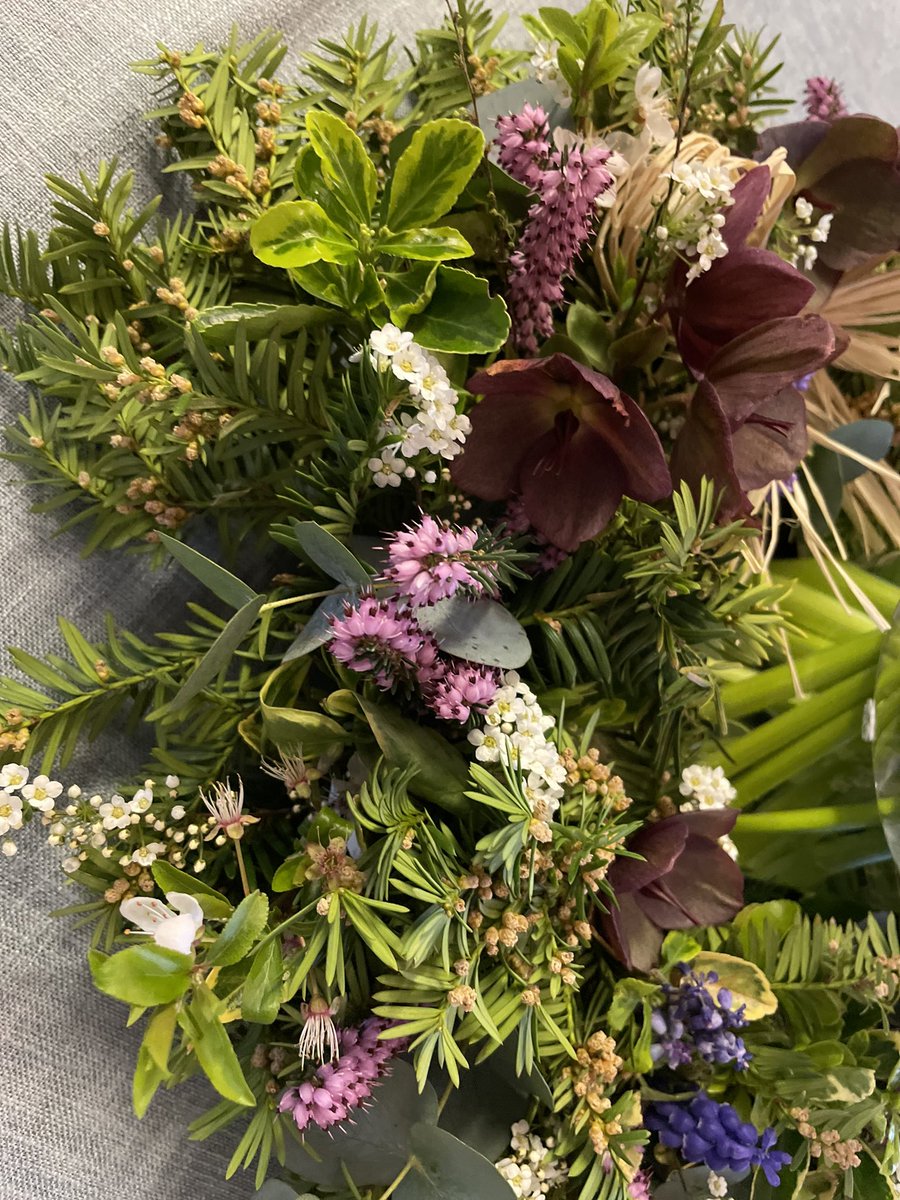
x,y
567,182
340,1087
378,636
462,688
824,100
427,562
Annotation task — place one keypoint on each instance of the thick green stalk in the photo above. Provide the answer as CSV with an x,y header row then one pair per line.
x,y
769,738
883,594
827,816
756,783
774,687
823,614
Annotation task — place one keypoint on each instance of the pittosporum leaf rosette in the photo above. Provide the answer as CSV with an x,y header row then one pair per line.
x,y
740,331
565,439
683,879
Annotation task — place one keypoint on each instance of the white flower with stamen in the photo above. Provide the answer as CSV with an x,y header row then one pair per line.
x,y
226,806
293,773
318,1034
389,340
116,813
146,856
13,776
653,105
10,811
387,469
41,793
176,930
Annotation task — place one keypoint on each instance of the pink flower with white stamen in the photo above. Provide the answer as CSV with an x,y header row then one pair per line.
x,y
430,562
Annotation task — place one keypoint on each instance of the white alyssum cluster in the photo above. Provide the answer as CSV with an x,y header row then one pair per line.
x,y
531,1169
805,253
515,734
705,787
434,424
545,65
41,794
694,215
717,1186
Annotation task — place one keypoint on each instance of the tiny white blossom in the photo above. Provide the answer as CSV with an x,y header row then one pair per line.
x,y
13,776
389,340
177,813
386,470
822,228
141,800
41,793
803,208
10,811
146,856
8,848
652,105
116,813
172,930
172,782
318,1033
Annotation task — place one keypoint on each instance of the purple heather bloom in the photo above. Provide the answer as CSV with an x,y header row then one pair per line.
x,y
428,562
705,1131
683,879
339,1087
823,99
692,1023
639,1188
567,182
379,636
461,688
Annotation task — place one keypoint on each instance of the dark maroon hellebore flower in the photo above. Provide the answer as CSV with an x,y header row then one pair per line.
x,y
746,288
564,438
746,424
686,880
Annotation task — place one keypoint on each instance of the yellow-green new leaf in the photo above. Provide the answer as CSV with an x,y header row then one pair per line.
x,y
746,982
210,1042
145,974
427,245
432,172
298,233
152,1067
241,932
346,168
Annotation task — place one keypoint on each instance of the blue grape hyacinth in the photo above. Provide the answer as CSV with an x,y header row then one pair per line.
x,y
694,1023
703,1130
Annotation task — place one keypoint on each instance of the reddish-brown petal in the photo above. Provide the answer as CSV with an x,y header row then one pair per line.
x,y
632,936
771,443
704,448
504,428
571,484
749,195
705,887
659,845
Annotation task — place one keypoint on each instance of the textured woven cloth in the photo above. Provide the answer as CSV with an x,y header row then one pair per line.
x,y
67,99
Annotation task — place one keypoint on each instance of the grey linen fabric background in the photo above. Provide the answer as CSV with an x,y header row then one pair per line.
x,y
66,100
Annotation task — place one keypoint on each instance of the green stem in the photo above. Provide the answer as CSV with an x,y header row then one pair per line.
x,y
883,594
827,816
754,784
823,614
774,687
299,599
767,740
243,870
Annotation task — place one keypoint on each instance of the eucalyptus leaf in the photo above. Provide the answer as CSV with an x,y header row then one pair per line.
x,y
227,587
145,974
330,555
317,630
171,879
510,99
447,1169
375,1147
481,1111
529,1083
441,773
432,171
211,1044
220,653
300,232
219,326
481,631
462,316
241,932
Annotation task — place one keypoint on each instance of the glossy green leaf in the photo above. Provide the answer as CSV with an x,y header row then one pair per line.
x,y
330,555
288,728
375,1146
146,974
409,292
220,653
432,171
241,932
152,1067
462,317
310,183
170,879
564,28
481,631
346,166
221,583
261,996
210,1042
323,280
299,232
746,982
219,326
441,773
430,245
447,1169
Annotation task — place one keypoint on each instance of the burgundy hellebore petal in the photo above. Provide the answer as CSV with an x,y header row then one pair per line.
x,y
687,880
564,438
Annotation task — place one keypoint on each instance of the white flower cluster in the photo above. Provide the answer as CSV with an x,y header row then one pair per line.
x,y
694,216
707,787
546,70
806,253
717,1186
531,1170
515,733
434,425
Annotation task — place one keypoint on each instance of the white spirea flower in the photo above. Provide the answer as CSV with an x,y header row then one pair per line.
x,y
13,776
531,1170
41,793
116,813
146,856
173,930
803,208
706,787
717,1186
10,811
653,105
